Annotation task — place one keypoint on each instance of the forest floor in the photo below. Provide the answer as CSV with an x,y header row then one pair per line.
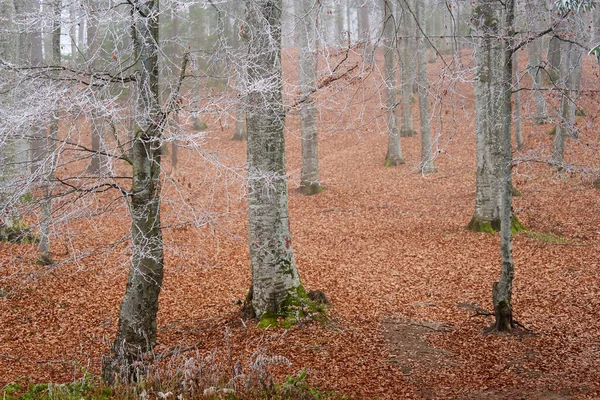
x,y
387,246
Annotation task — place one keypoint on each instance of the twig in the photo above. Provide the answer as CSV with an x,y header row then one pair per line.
x,y
9,357
479,313
178,351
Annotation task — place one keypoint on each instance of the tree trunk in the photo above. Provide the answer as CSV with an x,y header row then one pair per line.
x,y
427,165
537,74
175,144
570,77
15,47
364,30
517,96
96,123
490,88
44,243
310,179
275,280
407,69
394,149
554,63
502,290
136,334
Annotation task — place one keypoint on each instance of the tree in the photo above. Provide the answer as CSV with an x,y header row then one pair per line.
x,y
97,123
569,78
14,152
44,244
393,156
490,89
536,68
407,67
310,179
136,334
427,165
494,51
275,280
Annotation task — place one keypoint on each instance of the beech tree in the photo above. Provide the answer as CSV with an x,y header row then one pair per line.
x,y
406,54
427,165
493,54
136,334
490,88
275,281
393,156
310,179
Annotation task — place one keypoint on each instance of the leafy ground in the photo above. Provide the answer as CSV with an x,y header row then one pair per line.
x,y
388,246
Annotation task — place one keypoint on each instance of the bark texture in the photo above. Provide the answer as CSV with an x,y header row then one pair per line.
x,y
569,79
136,334
44,243
407,68
427,165
489,110
310,178
393,156
502,290
275,280
536,69
517,96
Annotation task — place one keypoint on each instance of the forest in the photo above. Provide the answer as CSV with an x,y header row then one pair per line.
x,y
299,199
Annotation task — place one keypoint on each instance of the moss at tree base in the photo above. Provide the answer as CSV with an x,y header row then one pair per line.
x,y
480,225
19,232
310,189
393,161
297,306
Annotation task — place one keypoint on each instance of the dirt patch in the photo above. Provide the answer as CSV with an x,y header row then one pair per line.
x,y
410,349
519,395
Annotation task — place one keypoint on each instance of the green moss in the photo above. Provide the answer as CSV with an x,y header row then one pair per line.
x,y
479,225
515,192
19,232
294,308
597,184
579,112
310,189
552,131
516,226
547,237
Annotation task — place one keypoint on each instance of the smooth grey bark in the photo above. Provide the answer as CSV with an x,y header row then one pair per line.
x,y
554,60
97,161
407,68
364,30
568,83
517,96
308,45
275,280
17,48
393,156
136,334
489,111
240,133
175,143
502,290
494,24
435,28
339,25
427,165
44,236
536,70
